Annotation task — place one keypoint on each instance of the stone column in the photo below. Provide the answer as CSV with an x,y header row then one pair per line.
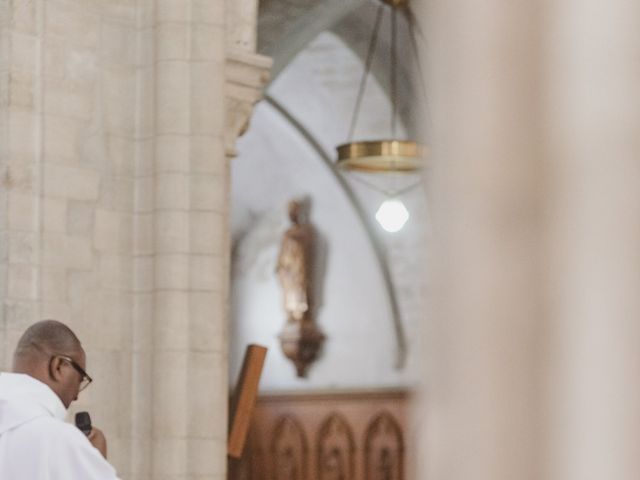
x,y
242,25
184,189
246,75
247,72
535,337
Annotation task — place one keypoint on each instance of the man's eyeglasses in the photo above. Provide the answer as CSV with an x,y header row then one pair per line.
x,y
86,379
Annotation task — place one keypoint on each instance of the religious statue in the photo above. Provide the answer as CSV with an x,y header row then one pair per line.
x,y
300,338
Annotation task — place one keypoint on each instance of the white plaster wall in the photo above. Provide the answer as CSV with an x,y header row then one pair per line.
x,y
275,164
352,312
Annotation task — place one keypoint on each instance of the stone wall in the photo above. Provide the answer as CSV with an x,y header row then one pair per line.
x,y
67,177
113,213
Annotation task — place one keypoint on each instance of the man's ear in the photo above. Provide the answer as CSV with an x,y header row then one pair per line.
x,y
55,368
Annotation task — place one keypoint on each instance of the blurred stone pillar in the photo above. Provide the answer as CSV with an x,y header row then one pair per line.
x,y
483,360
535,337
592,126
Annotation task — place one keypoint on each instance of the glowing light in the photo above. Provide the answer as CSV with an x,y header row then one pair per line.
x,y
392,215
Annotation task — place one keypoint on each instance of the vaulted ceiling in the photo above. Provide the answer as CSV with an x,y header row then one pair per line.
x,y
285,27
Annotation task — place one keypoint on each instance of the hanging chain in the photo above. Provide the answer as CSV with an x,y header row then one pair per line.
x,y
365,74
413,28
394,73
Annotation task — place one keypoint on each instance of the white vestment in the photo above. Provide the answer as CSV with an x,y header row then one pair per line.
x,y
35,442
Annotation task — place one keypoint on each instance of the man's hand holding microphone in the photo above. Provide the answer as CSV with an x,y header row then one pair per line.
x,y
94,434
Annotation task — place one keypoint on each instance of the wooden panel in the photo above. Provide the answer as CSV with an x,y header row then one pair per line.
x,y
245,398
326,436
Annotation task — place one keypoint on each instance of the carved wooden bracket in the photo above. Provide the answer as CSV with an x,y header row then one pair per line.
x,y
301,343
247,74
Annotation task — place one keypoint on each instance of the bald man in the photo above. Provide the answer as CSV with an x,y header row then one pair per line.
x,y
35,443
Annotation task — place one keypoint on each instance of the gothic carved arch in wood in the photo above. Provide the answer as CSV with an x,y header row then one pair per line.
x,y
383,449
289,450
335,450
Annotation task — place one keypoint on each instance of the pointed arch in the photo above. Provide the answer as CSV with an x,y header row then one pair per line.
x,y
383,448
335,449
289,450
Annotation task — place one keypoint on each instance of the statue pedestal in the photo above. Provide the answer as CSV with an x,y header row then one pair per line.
x,y
301,342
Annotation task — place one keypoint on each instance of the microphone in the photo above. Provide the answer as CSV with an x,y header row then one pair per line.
x,y
83,422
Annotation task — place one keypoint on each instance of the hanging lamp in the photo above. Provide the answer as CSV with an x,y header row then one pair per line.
x,y
391,155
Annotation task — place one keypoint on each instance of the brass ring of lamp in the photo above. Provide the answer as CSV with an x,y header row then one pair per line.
x,y
382,156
